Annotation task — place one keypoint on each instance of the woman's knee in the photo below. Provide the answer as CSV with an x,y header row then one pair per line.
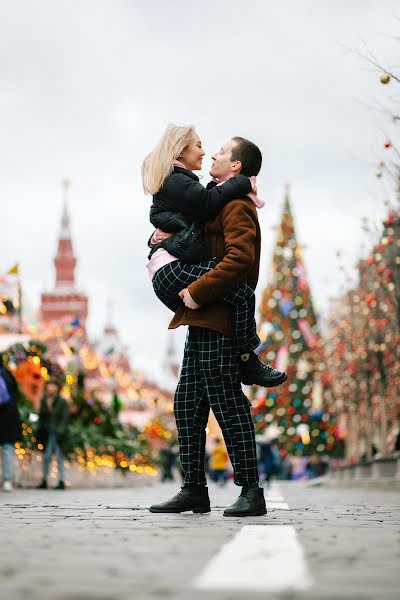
x,y
246,292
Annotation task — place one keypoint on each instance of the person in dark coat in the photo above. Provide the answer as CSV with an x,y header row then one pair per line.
x,y
52,430
268,460
10,423
167,462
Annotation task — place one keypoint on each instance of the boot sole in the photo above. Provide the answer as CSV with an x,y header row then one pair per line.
x,y
175,512
269,385
258,513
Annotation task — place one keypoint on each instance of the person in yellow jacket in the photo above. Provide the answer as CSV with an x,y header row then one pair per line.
x,y
219,462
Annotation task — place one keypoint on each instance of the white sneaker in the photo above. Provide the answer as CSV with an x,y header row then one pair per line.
x,y
7,486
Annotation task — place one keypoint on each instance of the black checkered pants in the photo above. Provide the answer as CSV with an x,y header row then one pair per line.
x,y
174,277
210,379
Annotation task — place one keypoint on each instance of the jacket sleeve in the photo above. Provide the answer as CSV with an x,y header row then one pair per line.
x,y
42,415
194,200
239,229
62,425
168,221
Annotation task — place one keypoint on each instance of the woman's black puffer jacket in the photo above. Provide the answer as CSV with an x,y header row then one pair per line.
x,y
182,207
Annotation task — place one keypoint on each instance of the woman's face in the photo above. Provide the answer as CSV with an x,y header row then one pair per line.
x,y
192,155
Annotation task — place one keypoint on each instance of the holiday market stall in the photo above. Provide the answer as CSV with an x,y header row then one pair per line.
x,y
99,437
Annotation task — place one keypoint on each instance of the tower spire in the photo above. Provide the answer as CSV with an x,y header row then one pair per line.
x,y
65,222
65,261
110,327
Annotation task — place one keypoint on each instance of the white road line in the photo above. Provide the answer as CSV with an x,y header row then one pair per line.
x,y
274,498
258,558
276,505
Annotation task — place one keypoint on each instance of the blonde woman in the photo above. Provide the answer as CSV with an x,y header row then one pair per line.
x,y
180,208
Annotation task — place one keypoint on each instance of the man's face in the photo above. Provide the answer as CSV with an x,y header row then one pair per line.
x,y
52,389
222,167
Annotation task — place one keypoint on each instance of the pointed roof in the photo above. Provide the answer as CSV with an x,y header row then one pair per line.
x,y
110,342
109,326
286,204
65,221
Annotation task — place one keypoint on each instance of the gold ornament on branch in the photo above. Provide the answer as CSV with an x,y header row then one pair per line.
x,y
384,78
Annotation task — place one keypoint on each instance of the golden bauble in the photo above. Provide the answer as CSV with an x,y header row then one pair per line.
x,y
384,78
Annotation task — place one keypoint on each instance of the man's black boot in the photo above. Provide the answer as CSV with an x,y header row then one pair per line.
x,y
254,372
189,498
250,503
60,486
42,485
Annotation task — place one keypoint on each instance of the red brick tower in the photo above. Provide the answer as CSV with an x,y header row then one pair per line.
x,y
65,301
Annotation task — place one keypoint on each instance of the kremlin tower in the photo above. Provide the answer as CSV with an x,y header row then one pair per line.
x,y
65,301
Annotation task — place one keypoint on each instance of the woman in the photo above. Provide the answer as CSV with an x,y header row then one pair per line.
x,y
180,208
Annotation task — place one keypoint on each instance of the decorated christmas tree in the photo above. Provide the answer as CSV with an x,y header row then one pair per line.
x,y
294,413
364,349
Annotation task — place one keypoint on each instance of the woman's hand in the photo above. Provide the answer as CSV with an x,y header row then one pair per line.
x,y
188,300
253,185
159,236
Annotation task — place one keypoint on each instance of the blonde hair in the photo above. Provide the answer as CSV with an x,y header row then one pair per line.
x,y
159,163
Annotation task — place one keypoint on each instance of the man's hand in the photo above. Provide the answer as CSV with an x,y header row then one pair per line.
x,y
188,300
159,236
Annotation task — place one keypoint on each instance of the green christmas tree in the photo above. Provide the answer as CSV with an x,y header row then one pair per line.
x,y
294,413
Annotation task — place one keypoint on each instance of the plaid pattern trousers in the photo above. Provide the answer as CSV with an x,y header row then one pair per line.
x,y
210,379
175,276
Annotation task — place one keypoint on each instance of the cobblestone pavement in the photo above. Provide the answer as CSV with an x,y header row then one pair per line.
x,y
104,544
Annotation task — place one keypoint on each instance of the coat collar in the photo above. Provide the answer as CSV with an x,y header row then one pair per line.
x,y
186,172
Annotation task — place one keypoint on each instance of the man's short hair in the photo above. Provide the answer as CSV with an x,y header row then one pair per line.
x,y
249,155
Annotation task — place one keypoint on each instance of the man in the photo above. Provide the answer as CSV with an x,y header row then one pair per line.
x,y
210,373
53,430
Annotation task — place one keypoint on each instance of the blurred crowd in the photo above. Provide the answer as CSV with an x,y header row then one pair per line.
x,y
51,432
272,463
51,427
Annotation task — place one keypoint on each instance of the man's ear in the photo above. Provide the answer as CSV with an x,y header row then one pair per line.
x,y
236,167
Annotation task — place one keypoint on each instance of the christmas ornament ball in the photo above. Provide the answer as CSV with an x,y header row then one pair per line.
x,y
384,78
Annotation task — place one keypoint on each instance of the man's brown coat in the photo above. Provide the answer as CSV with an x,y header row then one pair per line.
x,y
234,241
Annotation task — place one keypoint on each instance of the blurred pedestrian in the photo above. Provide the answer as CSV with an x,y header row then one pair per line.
x,y
167,462
52,430
219,462
285,469
268,460
316,467
10,423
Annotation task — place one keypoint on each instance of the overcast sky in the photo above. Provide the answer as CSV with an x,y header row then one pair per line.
x,y
87,87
